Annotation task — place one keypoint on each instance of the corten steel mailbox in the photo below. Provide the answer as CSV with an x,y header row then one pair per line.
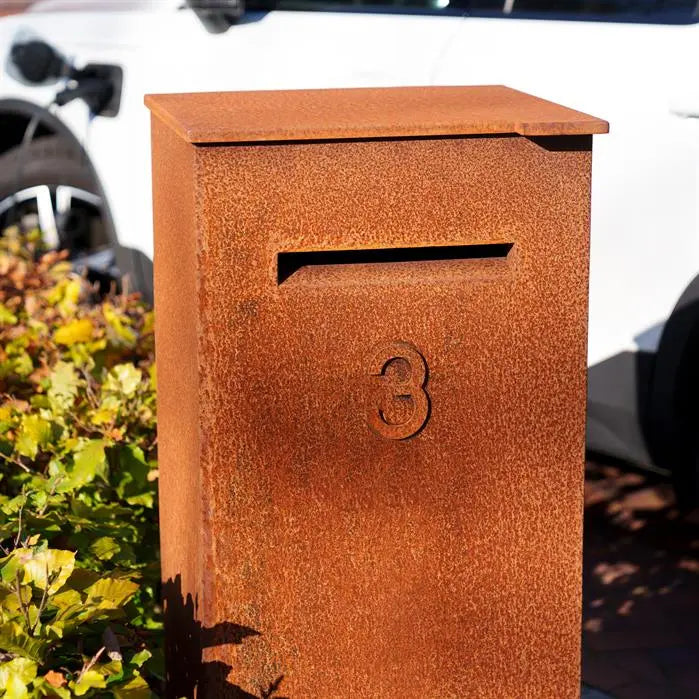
x,y
371,336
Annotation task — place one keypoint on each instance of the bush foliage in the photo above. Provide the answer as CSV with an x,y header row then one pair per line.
x,y
78,475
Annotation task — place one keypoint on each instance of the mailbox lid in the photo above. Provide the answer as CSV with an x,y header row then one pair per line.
x,y
297,115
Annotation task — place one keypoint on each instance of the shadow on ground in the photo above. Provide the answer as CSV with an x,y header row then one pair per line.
x,y
640,588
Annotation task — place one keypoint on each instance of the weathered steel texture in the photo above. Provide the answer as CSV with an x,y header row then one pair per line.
x,y
224,117
177,330
379,466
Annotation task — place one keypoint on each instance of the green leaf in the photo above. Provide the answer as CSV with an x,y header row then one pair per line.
x,y
81,579
113,671
89,461
10,608
141,657
79,411
105,548
11,565
23,365
133,483
144,499
107,412
14,639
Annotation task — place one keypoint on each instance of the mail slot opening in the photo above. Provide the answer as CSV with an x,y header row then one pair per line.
x,y
288,263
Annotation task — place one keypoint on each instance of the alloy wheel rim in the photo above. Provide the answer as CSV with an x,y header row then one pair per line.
x,y
51,204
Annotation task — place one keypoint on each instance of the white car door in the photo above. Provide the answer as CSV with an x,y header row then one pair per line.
x,y
645,242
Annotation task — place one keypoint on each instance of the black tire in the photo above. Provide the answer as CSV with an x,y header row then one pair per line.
x,y
674,399
55,161
46,160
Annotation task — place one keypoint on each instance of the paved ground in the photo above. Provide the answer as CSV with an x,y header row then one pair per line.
x,y
592,693
641,589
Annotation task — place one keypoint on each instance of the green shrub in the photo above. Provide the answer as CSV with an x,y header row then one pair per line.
x,y
78,504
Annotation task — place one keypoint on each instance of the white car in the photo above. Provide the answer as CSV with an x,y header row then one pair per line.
x,y
82,169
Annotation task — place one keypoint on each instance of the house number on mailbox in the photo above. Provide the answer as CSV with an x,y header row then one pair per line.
x,y
398,405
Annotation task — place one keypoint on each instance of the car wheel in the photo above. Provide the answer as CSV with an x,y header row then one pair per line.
x,y
49,184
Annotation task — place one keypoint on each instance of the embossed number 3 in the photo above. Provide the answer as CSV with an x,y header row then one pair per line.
x,y
386,388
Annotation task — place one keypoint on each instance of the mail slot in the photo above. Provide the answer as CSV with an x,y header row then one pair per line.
x,y
371,345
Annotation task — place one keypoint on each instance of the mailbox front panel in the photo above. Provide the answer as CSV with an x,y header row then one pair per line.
x,y
392,376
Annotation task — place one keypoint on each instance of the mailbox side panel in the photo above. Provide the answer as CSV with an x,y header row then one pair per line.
x,y
176,330
445,562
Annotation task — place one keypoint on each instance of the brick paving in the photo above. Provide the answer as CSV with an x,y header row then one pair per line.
x,y
640,589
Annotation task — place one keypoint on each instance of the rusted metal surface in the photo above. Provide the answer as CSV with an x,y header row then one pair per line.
x,y
372,370
224,117
177,329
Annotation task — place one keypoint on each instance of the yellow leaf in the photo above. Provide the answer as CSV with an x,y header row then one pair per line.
x,y
7,317
66,294
137,688
35,432
102,416
119,325
15,688
75,331
71,296
90,679
110,593
15,675
37,564
57,292
148,323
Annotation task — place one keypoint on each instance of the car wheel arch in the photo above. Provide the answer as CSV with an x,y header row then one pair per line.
x,y
18,114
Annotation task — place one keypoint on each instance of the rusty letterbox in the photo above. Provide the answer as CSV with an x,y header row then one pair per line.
x,y
371,337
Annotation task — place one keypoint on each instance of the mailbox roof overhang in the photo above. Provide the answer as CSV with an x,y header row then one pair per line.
x,y
363,113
